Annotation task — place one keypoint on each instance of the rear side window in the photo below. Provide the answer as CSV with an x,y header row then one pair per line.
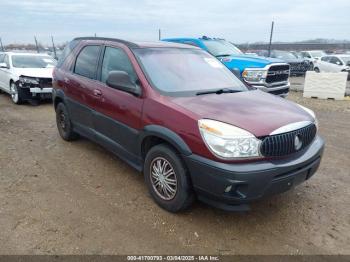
x,y
116,59
86,62
66,51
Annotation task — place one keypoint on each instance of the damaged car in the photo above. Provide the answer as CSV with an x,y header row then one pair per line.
x,y
26,76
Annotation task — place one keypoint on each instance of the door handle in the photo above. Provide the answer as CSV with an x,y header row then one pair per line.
x,y
97,92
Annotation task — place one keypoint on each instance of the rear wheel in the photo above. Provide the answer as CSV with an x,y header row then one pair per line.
x,y
64,124
167,179
316,69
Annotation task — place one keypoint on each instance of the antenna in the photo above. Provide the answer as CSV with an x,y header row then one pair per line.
x,y
271,33
36,44
54,48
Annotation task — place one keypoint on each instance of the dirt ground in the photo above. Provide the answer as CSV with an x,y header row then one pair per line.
x,y
77,198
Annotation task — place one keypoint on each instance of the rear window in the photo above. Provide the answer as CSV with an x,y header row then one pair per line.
x,y
66,51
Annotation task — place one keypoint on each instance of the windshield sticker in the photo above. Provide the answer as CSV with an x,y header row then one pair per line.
x,y
213,62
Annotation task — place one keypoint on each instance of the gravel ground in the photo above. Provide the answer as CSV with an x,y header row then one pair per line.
x,y
77,198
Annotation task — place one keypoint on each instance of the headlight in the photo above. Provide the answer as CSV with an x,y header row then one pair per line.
x,y
254,75
29,80
227,141
311,113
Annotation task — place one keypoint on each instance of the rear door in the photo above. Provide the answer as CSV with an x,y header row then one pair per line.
x,y
324,64
80,85
118,114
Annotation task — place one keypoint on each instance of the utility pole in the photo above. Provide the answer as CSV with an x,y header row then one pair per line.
x,y
36,44
271,33
54,48
2,47
159,34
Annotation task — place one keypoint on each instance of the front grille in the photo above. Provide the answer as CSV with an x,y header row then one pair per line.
x,y
298,67
277,73
45,82
284,144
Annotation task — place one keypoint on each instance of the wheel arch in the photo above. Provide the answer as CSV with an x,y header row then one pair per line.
x,y
58,97
154,134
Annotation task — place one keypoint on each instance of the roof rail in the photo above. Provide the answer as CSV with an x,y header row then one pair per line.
x,y
127,43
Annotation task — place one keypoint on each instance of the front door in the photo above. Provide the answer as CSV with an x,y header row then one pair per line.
x,y
118,115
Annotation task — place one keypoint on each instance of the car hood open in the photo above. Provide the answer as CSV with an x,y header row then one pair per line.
x,y
35,72
255,111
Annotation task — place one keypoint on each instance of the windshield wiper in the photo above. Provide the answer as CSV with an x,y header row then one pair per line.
x,y
218,91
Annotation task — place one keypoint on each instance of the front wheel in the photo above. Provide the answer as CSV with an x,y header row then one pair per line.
x,y
16,94
167,179
316,69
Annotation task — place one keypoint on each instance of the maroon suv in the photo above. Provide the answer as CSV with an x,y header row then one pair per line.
x,y
178,115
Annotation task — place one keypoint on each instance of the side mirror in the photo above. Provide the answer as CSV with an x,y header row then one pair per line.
x,y
121,80
4,65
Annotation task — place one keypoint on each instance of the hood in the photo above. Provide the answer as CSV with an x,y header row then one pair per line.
x,y
255,111
35,72
246,61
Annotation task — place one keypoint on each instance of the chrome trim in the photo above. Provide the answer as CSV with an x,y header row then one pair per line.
x,y
291,127
263,80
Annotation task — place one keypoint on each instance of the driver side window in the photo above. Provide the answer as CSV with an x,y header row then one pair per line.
x,y
115,59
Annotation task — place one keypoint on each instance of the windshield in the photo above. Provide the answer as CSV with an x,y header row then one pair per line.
x,y
221,48
185,72
317,53
32,61
283,55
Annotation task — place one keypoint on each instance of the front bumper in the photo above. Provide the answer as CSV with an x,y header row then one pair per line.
x,y
232,186
280,89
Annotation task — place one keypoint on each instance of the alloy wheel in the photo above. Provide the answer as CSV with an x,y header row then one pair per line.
x,y
14,93
163,178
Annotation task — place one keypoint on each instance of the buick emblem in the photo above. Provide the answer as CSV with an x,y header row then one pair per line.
x,y
297,142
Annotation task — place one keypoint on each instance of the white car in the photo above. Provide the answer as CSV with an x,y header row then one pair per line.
x,y
312,56
333,63
26,76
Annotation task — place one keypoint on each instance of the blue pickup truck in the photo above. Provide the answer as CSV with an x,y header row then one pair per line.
x,y
267,74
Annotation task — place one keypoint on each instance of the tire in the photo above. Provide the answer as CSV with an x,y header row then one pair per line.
x,y
160,159
311,67
16,94
317,70
64,124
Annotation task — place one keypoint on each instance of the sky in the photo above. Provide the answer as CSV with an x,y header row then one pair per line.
x,y
238,21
